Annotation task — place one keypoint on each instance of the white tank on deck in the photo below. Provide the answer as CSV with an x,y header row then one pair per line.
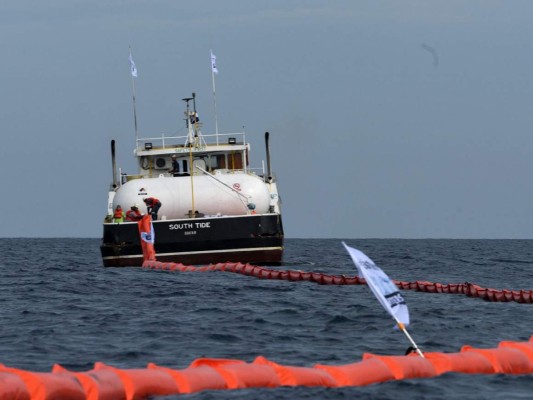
x,y
211,197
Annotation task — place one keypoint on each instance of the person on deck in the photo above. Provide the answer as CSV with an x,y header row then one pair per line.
x,y
175,171
153,205
133,214
118,215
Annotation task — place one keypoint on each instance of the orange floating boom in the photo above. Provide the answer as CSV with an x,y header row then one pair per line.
x,y
468,289
105,382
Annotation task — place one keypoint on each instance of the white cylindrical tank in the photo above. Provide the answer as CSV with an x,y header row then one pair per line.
x,y
211,197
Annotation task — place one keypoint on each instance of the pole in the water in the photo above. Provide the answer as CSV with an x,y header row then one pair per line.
x,y
414,345
384,290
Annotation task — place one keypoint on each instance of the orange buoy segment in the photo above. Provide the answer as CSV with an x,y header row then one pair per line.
x,y
12,387
191,380
298,376
464,363
49,385
505,360
403,367
524,347
366,372
241,375
141,383
98,384
468,289
107,382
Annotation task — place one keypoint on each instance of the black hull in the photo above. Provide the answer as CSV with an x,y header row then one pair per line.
x,y
249,238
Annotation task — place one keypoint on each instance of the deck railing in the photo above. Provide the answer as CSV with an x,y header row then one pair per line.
x,y
164,142
124,177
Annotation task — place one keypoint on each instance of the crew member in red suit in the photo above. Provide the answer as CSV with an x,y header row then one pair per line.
x,y
133,214
153,205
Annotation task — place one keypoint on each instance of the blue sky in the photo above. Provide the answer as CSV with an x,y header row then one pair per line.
x,y
391,119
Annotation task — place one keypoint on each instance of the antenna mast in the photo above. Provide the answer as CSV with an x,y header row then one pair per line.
x,y
190,144
188,120
195,116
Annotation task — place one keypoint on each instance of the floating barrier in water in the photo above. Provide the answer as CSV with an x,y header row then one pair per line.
x,y
105,382
471,290
468,289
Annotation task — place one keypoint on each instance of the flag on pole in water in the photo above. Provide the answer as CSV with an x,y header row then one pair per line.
x,y
132,66
214,63
146,230
383,288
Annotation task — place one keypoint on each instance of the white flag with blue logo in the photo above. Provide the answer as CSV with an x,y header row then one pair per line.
x,y
381,285
214,63
132,66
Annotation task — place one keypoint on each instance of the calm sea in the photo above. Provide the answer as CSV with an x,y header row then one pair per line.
x,y
59,305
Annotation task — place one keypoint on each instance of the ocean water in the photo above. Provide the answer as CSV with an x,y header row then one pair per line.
x,y
59,305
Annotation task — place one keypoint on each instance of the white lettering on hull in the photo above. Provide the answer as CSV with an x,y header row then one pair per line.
x,y
190,225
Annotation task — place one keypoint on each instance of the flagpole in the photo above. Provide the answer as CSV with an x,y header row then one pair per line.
x,y
215,102
415,346
134,111
214,94
134,106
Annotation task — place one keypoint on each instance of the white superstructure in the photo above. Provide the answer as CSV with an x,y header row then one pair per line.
x,y
214,176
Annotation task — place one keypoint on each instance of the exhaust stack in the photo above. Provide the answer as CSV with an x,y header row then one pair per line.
x,y
268,177
114,164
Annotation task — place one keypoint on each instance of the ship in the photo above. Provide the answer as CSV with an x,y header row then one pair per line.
x,y
215,208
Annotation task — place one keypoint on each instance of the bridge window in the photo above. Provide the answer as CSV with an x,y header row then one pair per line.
x,y
235,160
